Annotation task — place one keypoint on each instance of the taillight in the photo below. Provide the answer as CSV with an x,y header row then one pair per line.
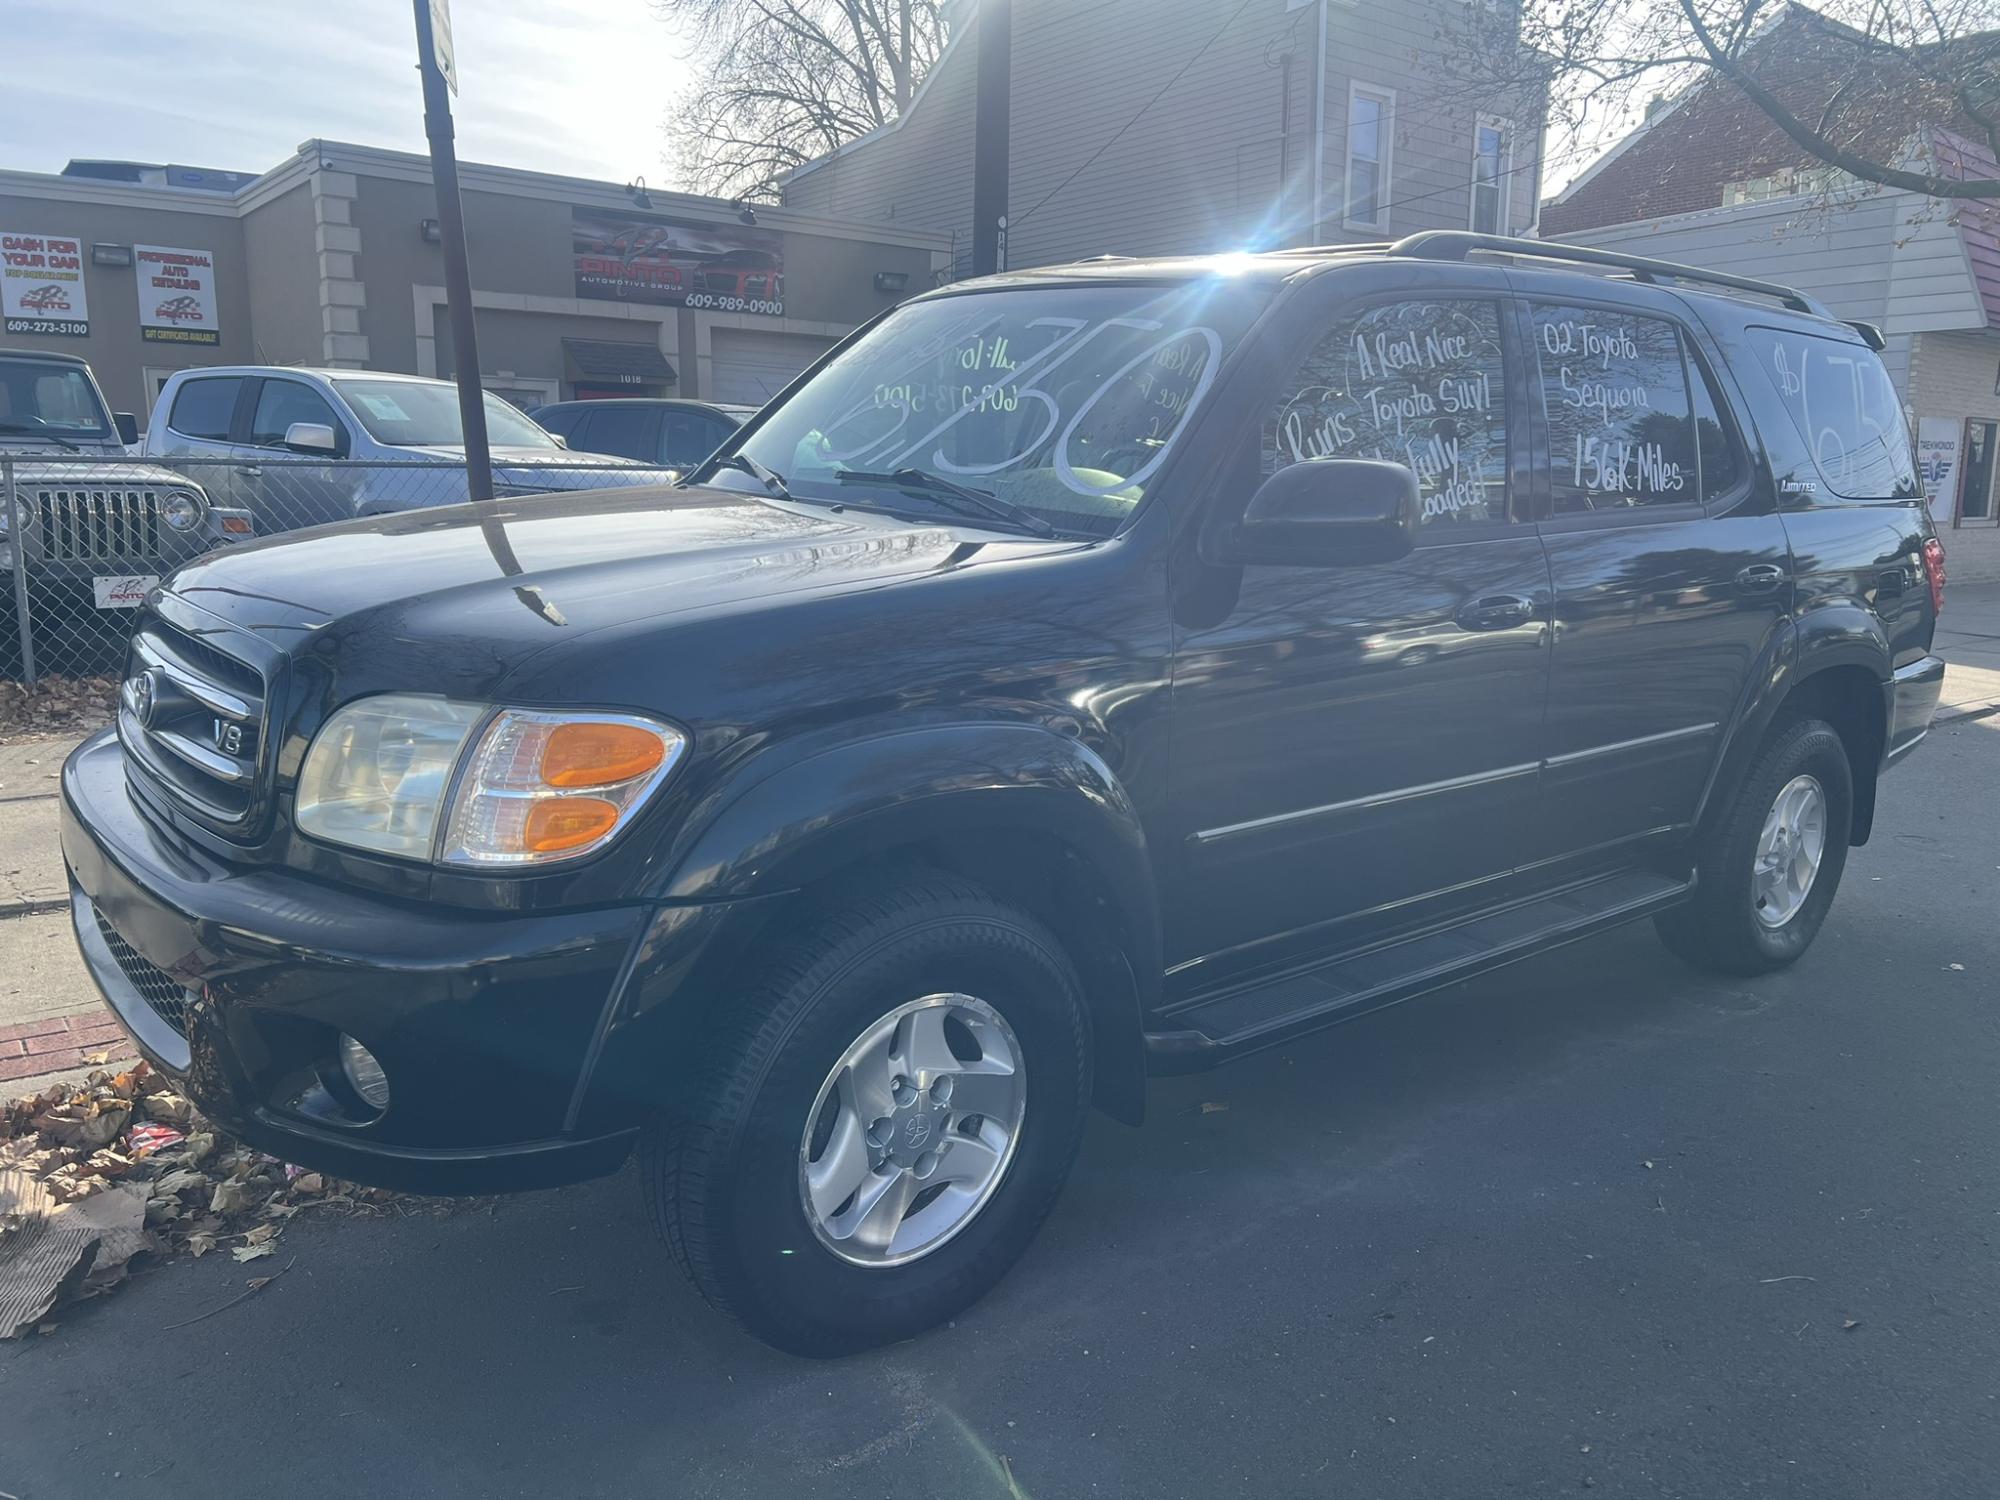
x,y
1934,572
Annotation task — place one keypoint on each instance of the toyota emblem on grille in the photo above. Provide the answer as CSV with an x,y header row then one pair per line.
x,y
145,696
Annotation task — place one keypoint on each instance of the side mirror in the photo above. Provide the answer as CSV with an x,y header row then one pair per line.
x,y
559,440
1328,512
311,437
127,425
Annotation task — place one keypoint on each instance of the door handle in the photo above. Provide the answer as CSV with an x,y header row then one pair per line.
x,y
1761,578
251,471
1496,612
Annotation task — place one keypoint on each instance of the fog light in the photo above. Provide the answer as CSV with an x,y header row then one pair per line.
x,y
363,1072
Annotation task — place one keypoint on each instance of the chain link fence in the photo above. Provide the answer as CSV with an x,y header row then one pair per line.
x,y
83,538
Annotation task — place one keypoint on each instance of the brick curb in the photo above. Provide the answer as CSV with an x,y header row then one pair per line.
x,y
60,1044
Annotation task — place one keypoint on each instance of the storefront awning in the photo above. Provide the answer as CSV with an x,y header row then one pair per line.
x,y
617,363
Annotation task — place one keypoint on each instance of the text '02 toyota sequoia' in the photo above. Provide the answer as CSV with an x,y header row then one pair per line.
x,y
1077,675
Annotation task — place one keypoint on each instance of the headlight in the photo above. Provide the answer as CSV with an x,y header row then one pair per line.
x,y
531,788
182,511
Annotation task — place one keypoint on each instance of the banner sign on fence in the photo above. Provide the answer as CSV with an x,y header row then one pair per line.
x,y
176,295
41,284
722,267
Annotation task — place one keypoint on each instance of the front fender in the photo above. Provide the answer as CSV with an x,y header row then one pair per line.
x,y
953,786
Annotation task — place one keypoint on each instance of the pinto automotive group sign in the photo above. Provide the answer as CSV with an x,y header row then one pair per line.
x,y
176,295
41,284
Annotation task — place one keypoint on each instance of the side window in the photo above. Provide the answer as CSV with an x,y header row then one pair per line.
x,y
1845,409
1721,468
202,408
281,403
686,438
1615,391
1417,383
621,431
559,420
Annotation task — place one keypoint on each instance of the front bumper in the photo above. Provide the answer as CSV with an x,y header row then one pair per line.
x,y
238,983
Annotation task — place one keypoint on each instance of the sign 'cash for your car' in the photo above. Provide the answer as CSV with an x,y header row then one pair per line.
x,y
41,284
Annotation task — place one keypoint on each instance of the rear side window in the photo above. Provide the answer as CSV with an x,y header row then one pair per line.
x,y
620,431
1845,409
202,408
1621,421
1417,383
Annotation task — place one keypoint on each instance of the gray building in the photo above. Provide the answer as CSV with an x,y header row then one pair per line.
x,y
1163,126
581,288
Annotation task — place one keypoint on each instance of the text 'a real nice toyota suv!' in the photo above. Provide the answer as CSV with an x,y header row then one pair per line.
x,y
1078,675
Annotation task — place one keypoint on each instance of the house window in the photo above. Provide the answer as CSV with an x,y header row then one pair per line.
x,y
1370,112
1975,500
1490,145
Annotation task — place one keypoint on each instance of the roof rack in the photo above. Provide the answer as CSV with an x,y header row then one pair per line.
x,y
1457,244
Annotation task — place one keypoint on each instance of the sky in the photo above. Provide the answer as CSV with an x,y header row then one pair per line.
x,y
581,89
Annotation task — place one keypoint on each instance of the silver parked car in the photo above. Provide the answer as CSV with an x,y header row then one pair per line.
x,y
311,446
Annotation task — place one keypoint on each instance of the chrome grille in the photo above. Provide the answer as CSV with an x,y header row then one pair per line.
x,y
83,523
159,989
193,716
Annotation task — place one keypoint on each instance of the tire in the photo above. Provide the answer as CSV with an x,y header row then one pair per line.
x,y
1732,926
727,1177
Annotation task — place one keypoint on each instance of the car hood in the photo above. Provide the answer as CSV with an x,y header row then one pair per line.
x,y
451,599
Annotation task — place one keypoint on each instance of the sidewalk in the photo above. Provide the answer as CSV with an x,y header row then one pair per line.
x,y
1968,638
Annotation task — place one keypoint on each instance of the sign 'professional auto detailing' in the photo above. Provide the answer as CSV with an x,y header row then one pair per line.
x,y
176,295
41,284
717,267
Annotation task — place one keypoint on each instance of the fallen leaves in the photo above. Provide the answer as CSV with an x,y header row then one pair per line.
x,y
92,1175
56,705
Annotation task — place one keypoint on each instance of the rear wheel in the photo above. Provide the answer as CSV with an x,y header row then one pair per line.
x,y
1769,867
883,1122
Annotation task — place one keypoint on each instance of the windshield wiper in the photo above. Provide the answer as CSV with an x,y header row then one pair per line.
x,y
970,501
771,479
35,427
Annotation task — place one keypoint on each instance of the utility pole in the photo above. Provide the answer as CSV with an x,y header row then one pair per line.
x,y
991,112
437,65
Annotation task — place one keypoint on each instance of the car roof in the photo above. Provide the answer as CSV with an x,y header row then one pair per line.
x,y
1547,262
48,355
693,403
322,372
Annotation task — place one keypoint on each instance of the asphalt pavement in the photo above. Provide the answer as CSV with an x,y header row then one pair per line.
x,y
1593,1223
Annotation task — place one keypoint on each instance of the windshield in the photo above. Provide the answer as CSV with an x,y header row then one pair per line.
x,y
410,414
56,399
1063,401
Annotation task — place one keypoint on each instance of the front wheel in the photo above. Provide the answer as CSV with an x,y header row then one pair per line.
x,y
1769,867
882,1122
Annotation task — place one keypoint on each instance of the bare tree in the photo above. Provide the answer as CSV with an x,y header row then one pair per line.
x,y
789,80
1851,86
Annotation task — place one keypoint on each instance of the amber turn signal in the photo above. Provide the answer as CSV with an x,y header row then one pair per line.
x,y
597,754
559,823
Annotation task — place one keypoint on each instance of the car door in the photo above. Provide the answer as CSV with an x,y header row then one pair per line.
x,y
293,489
1672,571
1357,747
199,423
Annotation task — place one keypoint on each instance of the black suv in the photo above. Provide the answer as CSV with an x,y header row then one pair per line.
x,y
1079,674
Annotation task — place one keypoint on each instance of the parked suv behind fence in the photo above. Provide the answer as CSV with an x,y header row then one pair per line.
x,y
84,531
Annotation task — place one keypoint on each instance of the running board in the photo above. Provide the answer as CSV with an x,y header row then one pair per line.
x,y
1273,1010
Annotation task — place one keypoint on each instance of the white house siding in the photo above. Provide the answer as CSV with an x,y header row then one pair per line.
x,y
1956,375
1198,170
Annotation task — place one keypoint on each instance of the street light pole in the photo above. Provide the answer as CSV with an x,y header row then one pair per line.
x,y
439,74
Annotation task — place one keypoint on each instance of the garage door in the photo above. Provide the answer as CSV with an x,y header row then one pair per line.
x,y
748,367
